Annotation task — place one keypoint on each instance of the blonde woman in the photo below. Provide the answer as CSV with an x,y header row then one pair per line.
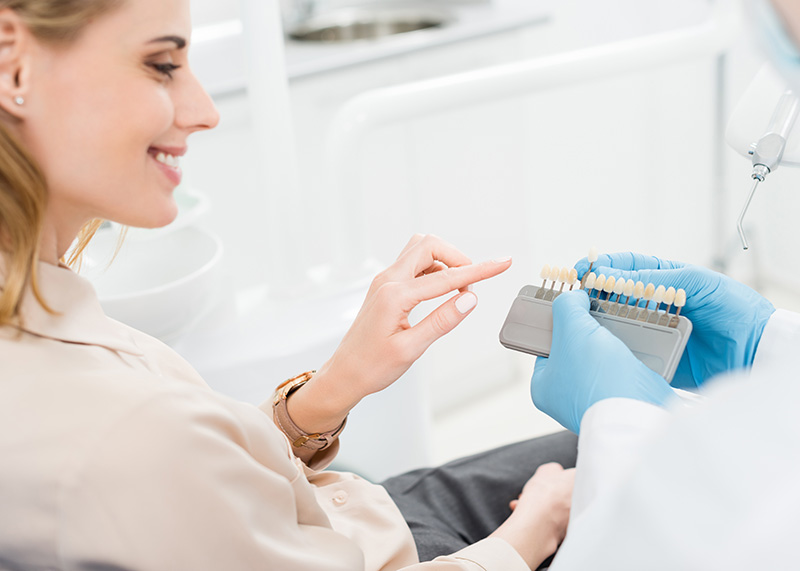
x,y
114,454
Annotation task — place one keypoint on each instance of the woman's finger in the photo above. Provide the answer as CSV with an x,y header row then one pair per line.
x,y
416,238
435,267
441,321
452,279
424,253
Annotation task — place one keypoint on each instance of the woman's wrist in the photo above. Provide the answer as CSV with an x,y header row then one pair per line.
x,y
317,406
534,543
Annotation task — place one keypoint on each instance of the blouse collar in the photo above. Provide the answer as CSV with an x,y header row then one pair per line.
x,y
78,316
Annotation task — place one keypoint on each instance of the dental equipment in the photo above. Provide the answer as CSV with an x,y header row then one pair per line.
x,y
775,146
656,337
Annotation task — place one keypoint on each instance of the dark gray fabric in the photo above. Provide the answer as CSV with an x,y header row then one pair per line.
x,y
459,503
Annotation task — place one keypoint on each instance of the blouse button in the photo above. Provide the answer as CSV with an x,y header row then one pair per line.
x,y
340,498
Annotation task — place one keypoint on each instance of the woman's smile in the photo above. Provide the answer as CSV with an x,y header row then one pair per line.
x,y
168,161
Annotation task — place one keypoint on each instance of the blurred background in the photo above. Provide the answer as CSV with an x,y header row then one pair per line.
x,y
629,161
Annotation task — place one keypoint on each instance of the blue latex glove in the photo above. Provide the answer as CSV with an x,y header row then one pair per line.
x,y
588,363
727,317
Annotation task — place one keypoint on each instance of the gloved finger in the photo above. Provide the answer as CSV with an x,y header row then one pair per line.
x,y
626,261
571,318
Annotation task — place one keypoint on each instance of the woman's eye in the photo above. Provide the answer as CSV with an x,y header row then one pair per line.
x,y
165,68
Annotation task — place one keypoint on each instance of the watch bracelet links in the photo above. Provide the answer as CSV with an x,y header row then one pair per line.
x,y
300,439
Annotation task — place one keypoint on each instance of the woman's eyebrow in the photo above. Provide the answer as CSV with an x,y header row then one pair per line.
x,y
177,40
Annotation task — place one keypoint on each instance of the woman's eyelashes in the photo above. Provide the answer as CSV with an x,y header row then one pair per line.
x,y
165,69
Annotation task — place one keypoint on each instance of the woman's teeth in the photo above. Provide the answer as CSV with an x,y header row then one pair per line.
x,y
168,160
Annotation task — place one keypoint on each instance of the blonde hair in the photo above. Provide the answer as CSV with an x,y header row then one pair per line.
x,y
23,188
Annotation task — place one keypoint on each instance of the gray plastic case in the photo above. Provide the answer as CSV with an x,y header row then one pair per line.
x,y
529,328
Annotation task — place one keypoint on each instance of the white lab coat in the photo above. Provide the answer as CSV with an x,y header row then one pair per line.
x,y
708,486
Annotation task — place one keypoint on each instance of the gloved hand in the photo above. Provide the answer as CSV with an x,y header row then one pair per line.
x,y
588,363
727,317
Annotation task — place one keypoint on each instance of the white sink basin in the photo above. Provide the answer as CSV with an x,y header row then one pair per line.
x,y
160,285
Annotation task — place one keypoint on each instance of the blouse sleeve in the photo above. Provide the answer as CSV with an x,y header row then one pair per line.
x,y
185,479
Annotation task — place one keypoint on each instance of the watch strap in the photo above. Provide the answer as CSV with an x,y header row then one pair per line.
x,y
299,438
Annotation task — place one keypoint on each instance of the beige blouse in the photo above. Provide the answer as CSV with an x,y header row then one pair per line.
x,y
114,454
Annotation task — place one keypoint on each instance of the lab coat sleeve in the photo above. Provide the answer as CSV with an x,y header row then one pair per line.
x,y
613,431
187,480
779,339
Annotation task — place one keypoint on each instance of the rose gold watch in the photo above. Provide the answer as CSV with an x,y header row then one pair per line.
x,y
299,439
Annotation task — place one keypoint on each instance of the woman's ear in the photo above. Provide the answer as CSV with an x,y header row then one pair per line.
x,y
14,45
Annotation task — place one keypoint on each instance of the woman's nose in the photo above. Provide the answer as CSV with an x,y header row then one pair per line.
x,y
196,111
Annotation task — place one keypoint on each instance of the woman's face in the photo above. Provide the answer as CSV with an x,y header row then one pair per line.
x,y
108,115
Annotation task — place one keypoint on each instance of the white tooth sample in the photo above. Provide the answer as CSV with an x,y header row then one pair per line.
x,y
669,295
649,292
680,298
563,275
545,273
610,283
599,282
658,296
590,281
554,271
629,287
573,277
619,287
638,290
592,255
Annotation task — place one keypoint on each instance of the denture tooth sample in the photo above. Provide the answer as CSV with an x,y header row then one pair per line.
x,y
649,292
599,283
554,271
680,300
658,296
628,291
619,287
544,274
573,278
589,282
563,276
638,291
611,281
669,296
592,257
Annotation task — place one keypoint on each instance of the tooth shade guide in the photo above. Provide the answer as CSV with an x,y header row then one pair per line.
x,y
589,280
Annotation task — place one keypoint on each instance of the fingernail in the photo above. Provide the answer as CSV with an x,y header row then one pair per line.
x,y
466,302
502,260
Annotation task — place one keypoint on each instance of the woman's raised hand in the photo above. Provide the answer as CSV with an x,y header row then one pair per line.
x,y
381,344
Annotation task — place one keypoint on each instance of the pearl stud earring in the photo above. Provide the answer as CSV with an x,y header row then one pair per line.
x,y
19,100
